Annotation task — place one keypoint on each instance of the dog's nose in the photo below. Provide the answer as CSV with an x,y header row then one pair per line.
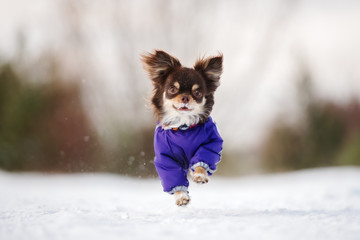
x,y
184,99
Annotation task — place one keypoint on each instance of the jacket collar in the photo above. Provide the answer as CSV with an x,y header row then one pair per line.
x,y
182,127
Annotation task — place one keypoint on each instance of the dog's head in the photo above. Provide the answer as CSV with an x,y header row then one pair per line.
x,y
182,96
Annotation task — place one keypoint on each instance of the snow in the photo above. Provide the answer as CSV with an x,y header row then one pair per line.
x,y
312,204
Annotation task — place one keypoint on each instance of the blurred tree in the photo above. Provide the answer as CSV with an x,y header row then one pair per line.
x,y
43,126
329,135
282,150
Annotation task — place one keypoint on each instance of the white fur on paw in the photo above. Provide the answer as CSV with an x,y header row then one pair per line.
x,y
200,178
181,198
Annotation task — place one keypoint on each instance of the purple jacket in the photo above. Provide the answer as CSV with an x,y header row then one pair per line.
x,y
178,150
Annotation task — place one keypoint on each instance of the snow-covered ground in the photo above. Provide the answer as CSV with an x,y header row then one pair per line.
x,y
313,204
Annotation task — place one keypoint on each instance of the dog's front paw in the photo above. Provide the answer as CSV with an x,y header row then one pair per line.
x,y
200,175
181,198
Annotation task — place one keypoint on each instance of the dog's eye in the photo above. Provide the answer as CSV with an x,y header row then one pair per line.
x,y
172,90
197,94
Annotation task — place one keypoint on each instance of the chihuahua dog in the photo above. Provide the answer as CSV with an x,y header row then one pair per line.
x,y
186,136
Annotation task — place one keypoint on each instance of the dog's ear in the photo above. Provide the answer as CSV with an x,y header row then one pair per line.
x,y
158,65
211,69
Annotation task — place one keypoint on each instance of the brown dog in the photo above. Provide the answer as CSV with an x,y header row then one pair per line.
x,y
185,137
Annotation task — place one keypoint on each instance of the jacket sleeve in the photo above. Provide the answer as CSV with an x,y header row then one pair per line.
x,y
172,175
209,153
